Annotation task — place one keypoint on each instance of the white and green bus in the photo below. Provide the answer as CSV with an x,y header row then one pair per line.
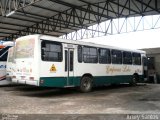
x,y
42,60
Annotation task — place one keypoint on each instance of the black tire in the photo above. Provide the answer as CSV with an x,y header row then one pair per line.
x,y
134,81
86,84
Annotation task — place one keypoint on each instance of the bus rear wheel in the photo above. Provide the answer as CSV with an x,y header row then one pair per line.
x,y
135,79
86,84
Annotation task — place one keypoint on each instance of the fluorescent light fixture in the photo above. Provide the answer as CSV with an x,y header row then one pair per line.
x,y
11,13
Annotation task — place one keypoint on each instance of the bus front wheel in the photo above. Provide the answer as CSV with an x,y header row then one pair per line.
x,y
86,84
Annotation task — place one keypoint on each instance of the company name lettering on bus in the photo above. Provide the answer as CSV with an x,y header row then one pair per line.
x,y
126,69
2,66
111,69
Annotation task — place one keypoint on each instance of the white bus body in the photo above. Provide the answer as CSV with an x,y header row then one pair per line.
x,y
3,61
42,60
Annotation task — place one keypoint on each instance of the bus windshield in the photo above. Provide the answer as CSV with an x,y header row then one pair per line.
x,y
4,53
25,48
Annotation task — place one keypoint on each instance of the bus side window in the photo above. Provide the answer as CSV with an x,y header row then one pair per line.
x,y
104,56
90,55
51,51
136,58
127,58
79,53
116,57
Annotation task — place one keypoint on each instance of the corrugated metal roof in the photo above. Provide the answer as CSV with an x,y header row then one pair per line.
x,y
64,16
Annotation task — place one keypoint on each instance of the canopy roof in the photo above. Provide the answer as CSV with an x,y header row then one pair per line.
x,y
59,17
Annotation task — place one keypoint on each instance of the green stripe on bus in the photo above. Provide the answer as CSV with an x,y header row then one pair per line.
x,y
75,81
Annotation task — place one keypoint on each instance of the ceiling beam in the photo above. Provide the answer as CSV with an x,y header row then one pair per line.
x,y
8,6
80,8
148,5
5,28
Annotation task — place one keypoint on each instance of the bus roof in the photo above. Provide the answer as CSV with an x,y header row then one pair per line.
x,y
8,43
78,42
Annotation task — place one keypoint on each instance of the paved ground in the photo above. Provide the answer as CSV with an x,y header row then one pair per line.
x,y
122,99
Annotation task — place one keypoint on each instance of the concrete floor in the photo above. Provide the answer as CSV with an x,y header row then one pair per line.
x,y
121,99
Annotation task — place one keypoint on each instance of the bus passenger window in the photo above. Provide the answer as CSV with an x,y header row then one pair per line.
x,y
136,58
127,58
116,57
51,51
104,56
90,55
80,54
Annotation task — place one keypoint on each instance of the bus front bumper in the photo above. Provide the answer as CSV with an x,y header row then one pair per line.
x,y
28,82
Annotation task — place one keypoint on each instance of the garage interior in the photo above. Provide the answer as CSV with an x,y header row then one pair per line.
x,y
80,19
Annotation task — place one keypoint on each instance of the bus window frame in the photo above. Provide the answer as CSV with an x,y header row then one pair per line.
x,y
114,50
108,58
56,43
130,59
133,62
83,54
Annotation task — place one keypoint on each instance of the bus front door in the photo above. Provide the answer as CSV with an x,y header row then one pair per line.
x,y
69,65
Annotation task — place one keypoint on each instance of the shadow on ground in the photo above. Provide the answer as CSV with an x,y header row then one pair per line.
x,y
33,91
